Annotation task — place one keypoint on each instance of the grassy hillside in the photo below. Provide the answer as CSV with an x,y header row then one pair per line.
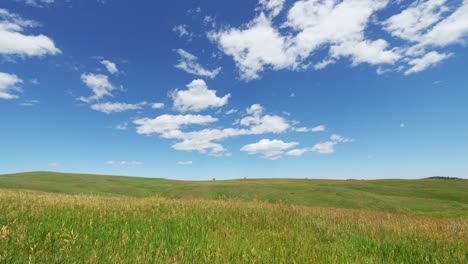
x,y
431,197
58,228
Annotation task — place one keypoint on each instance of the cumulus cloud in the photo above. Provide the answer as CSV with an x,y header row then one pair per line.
x,y
113,107
157,105
170,123
14,40
204,141
269,149
111,67
430,59
189,63
9,85
99,85
325,147
411,23
273,7
197,98
341,29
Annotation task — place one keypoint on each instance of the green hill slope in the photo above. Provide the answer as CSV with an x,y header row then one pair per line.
x,y
448,198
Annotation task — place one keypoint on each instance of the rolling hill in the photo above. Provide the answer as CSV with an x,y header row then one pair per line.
x,y
432,197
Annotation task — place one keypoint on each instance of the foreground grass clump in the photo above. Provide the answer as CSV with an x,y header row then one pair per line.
x,y
58,228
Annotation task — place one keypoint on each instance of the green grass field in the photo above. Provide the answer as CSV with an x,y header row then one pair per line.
x,y
71,218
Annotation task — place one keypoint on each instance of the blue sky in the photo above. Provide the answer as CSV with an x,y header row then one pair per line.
x,y
230,89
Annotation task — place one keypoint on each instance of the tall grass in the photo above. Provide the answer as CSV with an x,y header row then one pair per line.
x,y
58,228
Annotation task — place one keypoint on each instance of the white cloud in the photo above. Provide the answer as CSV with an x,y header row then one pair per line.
x,y
124,163
338,138
170,123
248,49
189,162
37,3
231,111
319,128
109,107
411,23
273,7
157,105
188,63
342,29
183,32
8,84
371,52
13,40
325,147
269,149
323,64
29,102
297,152
169,126
110,66
197,98
99,85
430,59
450,30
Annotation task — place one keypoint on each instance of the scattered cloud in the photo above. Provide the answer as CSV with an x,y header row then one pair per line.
x,y
124,163
189,63
430,59
9,85
197,98
203,141
189,162
30,103
170,124
109,107
273,7
14,40
157,105
341,29
123,126
327,147
182,32
231,111
338,138
110,66
37,3
319,128
269,149
99,85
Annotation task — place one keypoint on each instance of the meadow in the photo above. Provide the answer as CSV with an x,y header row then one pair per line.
x,y
71,218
